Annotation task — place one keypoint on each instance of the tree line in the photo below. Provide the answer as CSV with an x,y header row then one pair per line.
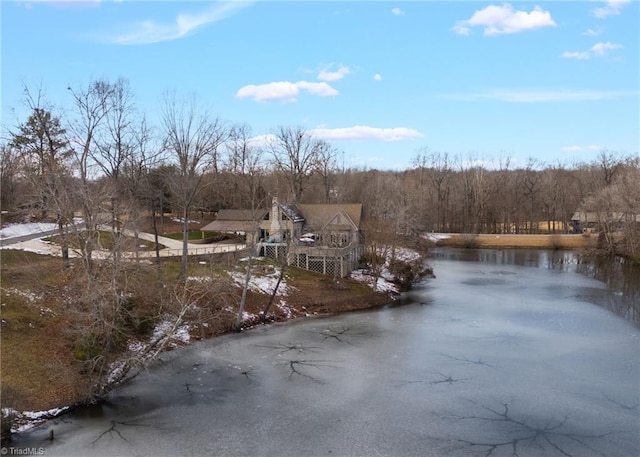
x,y
104,153
103,157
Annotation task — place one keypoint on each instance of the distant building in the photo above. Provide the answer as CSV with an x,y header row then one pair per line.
x,y
584,221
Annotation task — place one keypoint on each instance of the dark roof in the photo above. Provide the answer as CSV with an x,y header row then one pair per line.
x,y
236,220
231,226
240,215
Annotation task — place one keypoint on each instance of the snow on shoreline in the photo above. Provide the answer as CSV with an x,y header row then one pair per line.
x,y
436,237
28,419
386,280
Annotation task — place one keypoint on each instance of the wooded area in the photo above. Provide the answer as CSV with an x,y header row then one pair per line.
x,y
102,161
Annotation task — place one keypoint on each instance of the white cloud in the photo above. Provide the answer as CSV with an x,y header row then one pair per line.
x,y
319,89
542,95
461,29
149,31
355,133
397,12
593,32
284,91
598,49
377,77
602,49
611,8
576,55
504,19
260,141
591,147
365,133
327,75
29,4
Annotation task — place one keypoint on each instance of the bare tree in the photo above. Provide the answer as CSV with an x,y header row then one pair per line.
x,y
115,144
192,138
244,161
9,166
326,166
436,169
294,153
91,108
283,261
629,192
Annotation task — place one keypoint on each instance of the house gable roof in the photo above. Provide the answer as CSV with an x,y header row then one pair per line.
x,y
341,220
318,216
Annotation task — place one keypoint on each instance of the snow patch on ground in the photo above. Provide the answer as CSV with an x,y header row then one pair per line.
x,y
179,337
262,284
30,228
284,307
385,282
436,237
26,294
200,278
246,317
405,255
181,220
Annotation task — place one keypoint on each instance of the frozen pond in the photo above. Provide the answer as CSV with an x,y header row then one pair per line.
x,y
499,356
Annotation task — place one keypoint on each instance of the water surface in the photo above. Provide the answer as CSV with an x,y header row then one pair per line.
x,y
502,355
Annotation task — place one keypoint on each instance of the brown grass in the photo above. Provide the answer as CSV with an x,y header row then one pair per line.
x,y
38,371
519,241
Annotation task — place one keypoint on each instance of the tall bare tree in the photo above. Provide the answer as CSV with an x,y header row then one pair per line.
x,y
191,138
244,167
326,166
294,153
115,144
91,105
244,163
9,166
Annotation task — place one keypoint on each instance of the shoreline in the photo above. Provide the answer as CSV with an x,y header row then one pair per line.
x,y
25,421
514,241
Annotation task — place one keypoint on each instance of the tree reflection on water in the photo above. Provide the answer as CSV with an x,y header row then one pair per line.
x,y
623,284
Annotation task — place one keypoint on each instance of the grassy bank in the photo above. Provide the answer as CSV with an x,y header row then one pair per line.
x,y
466,240
39,368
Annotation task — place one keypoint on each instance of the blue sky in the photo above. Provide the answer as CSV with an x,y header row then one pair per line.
x,y
557,81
